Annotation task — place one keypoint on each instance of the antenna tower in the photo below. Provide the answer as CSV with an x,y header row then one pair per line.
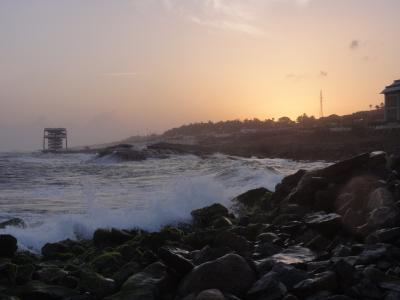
x,y
321,107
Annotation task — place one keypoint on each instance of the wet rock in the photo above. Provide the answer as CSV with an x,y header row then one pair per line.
x,y
233,241
14,222
294,255
8,273
268,288
383,217
107,263
383,235
24,273
125,272
62,250
325,281
222,222
147,284
204,217
110,237
211,294
175,261
8,245
39,290
210,253
289,275
230,274
304,193
250,231
380,197
346,273
327,224
51,274
253,198
266,249
96,284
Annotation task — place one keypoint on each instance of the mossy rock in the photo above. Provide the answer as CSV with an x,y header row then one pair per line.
x,y
107,263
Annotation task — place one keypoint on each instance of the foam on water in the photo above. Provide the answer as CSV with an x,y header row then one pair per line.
x,y
88,194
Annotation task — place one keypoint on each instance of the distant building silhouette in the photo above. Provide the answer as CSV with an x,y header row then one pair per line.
x,y
55,138
392,102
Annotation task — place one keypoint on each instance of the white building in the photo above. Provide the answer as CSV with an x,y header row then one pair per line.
x,y
392,102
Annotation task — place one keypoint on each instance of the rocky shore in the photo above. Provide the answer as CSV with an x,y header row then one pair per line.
x,y
332,233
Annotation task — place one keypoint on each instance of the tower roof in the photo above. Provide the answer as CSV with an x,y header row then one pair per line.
x,y
394,87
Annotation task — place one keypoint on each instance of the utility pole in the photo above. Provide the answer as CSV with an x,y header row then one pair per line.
x,y
321,107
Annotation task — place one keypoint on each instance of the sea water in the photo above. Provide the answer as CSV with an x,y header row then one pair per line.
x,y
62,196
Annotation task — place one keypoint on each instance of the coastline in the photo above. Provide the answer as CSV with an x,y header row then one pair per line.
x,y
323,234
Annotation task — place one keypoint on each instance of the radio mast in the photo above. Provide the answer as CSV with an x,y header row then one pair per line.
x,y
321,107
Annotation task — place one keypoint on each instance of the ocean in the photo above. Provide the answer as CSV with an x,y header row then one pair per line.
x,y
62,196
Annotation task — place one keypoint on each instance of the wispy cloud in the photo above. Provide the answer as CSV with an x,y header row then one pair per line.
x,y
230,15
120,74
354,44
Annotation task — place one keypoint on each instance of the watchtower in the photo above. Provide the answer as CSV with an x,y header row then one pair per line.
x,y
55,139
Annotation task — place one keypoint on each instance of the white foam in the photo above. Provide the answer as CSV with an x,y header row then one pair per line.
x,y
155,202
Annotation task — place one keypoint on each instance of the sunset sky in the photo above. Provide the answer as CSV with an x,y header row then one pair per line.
x,y
108,69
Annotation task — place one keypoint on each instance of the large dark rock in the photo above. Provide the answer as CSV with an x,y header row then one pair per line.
x,y
325,281
150,283
208,253
96,284
327,224
251,199
110,237
268,288
8,273
230,274
204,217
175,261
211,294
8,245
36,290
14,222
233,241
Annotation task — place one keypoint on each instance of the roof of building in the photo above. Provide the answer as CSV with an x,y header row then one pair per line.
x,y
394,87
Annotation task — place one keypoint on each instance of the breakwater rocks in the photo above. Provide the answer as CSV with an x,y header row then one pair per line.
x,y
331,234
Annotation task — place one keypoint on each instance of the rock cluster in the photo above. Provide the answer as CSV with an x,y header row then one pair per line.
x,y
330,234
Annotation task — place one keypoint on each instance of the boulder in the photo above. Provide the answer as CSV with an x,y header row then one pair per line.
x,y
211,294
149,284
8,245
327,224
50,274
62,250
222,222
325,281
107,263
230,274
14,222
251,199
208,253
268,288
8,274
383,217
39,290
96,284
385,235
175,261
110,237
233,241
204,217
294,255
380,197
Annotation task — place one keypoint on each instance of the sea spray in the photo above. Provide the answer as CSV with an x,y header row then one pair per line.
x,y
83,194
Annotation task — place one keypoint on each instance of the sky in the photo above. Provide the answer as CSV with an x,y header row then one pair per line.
x,y
107,70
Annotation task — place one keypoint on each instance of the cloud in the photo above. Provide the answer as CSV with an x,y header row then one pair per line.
x,y
120,74
323,73
229,15
295,77
354,44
